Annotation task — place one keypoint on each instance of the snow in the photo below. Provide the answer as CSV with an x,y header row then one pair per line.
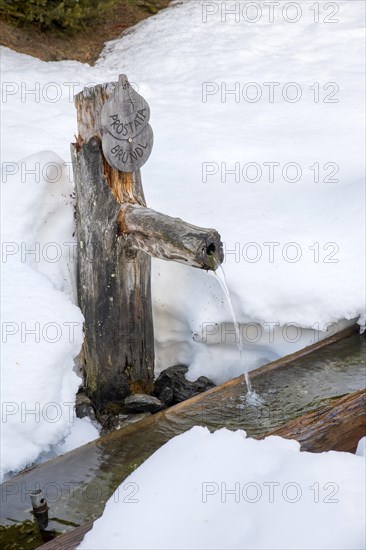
x,y
224,490
170,57
83,431
361,447
41,327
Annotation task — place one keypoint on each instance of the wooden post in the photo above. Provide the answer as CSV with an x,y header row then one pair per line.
x,y
116,235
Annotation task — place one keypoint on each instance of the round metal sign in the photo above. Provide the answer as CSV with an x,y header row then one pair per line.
x,y
127,136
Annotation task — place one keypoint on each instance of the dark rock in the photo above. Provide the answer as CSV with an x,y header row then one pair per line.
x,y
141,402
172,387
166,395
84,407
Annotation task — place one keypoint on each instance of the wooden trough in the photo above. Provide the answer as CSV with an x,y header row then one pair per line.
x,y
338,427
320,418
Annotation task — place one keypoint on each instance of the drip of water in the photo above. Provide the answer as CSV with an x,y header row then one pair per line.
x,y
220,274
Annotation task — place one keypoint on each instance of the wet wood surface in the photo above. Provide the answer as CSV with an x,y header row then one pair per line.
x,y
337,427
69,541
282,362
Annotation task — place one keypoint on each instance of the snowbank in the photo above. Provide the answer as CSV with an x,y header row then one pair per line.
x,y
41,327
223,490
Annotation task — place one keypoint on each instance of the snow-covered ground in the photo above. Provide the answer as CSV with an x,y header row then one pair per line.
x,y
291,216
41,327
224,490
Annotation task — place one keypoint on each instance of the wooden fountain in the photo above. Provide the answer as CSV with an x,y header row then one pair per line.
x,y
117,235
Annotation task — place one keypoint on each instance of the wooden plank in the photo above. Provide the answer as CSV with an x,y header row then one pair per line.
x,y
107,461
70,540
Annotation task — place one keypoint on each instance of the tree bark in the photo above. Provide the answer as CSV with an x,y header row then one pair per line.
x,y
113,279
113,290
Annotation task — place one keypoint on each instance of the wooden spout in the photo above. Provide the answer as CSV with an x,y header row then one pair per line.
x,y
170,238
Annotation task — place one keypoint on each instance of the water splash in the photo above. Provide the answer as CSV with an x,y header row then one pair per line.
x,y
251,399
220,274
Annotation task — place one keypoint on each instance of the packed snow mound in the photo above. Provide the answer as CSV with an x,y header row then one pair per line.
x,y
224,490
41,326
83,431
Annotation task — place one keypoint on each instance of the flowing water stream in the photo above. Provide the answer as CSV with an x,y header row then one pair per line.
x,y
220,274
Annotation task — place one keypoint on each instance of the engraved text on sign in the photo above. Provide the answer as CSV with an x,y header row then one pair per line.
x,y
127,136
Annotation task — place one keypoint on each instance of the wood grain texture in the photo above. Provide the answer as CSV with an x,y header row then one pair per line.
x,y
126,113
281,363
114,288
170,238
128,155
339,426
70,540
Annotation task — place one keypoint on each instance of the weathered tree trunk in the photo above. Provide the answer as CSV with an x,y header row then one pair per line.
x,y
116,235
339,426
113,286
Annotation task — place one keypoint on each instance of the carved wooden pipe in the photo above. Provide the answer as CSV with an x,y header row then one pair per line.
x,y
170,238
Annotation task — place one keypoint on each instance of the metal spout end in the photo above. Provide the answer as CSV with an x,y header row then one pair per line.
x,y
40,508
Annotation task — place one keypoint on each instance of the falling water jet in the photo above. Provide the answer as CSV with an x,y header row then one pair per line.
x,y
220,274
251,398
